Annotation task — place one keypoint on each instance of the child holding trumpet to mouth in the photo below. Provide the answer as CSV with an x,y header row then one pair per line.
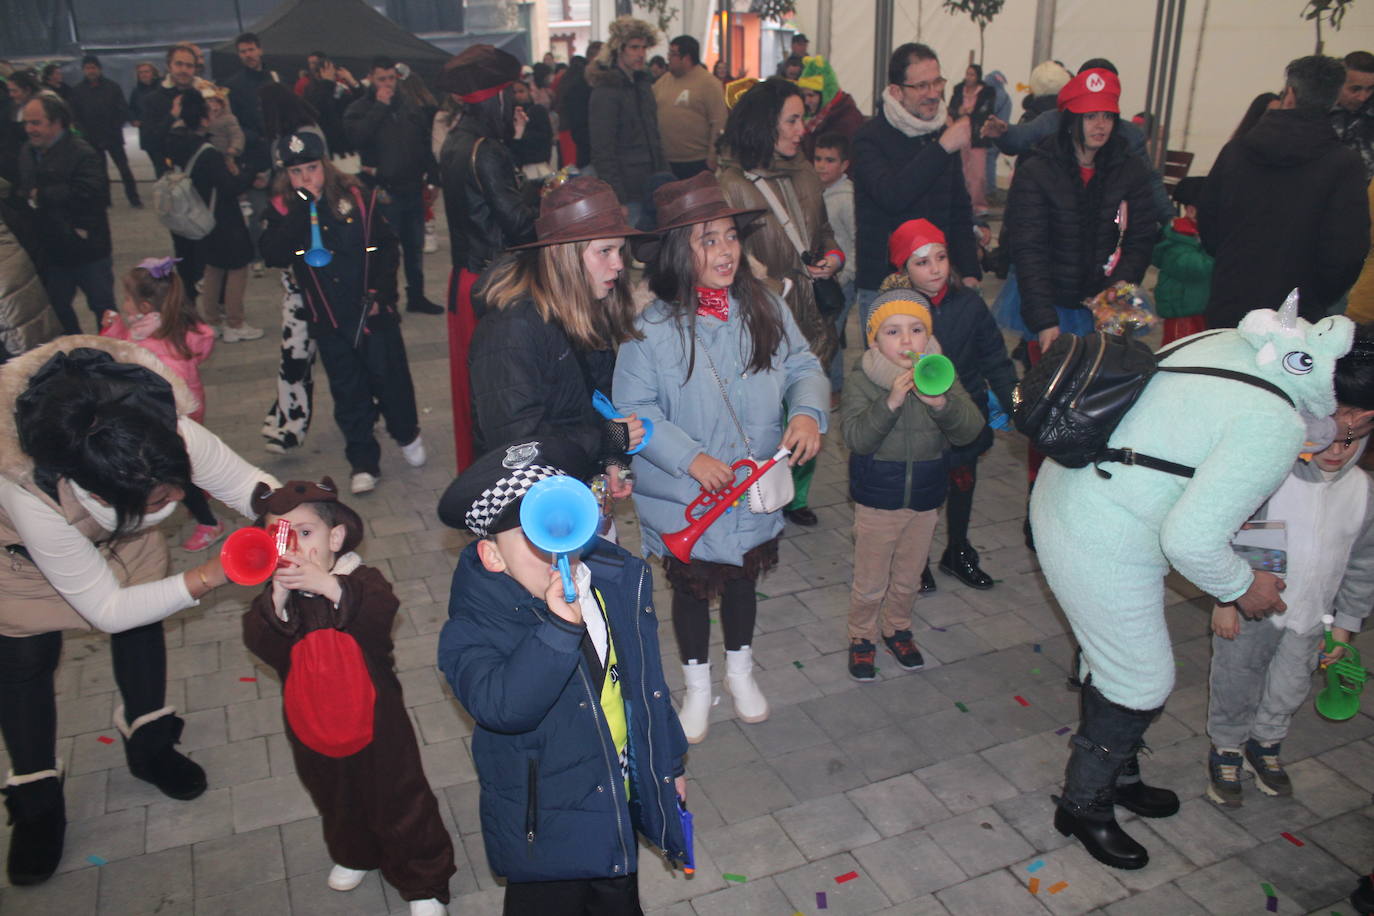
x,y
899,440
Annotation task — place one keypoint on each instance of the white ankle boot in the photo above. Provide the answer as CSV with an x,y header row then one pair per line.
x,y
696,703
750,703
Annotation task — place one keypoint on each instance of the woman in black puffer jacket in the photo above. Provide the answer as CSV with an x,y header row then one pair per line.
x,y
1079,215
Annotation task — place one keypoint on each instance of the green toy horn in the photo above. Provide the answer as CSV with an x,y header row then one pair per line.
x,y
933,373
1340,699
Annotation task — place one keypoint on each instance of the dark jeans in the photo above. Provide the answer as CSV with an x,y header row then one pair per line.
x,y
28,703
739,608
94,278
685,170
191,267
406,214
158,159
584,897
374,377
126,175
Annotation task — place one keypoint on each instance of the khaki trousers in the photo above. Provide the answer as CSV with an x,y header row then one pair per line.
x,y
891,547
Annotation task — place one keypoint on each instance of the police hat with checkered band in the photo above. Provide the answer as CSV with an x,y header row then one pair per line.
x,y
485,498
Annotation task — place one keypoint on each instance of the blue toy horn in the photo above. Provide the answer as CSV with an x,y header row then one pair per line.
x,y
560,515
317,255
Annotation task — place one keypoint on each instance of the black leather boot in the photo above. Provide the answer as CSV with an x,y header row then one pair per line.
x,y
927,580
38,814
1108,736
1146,801
961,562
150,748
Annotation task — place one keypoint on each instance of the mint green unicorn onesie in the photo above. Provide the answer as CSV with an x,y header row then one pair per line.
x,y
1105,543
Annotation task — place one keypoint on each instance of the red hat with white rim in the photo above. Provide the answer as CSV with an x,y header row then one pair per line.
x,y
1091,90
915,236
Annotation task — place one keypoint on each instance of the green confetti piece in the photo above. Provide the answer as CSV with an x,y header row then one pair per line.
x,y
739,878
961,707
1268,889
1035,671
714,620
799,664
761,595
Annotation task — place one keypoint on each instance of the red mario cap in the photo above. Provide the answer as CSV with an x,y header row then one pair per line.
x,y
910,237
1091,90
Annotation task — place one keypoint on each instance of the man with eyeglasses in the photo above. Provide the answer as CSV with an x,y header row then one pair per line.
x,y
906,166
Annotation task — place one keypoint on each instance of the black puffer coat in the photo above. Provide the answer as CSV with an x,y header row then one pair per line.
x,y
528,379
73,226
1063,232
487,212
100,112
392,140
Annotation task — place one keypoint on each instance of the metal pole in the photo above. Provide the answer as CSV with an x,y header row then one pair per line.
x,y
1155,101
726,45
824,10
1197,66
1042,49
238,15
1154,58
1173,80
882,49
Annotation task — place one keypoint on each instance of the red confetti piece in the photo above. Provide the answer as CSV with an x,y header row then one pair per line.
x,y
1292,839
247,680
1056,888
848,876
1022,700
105,739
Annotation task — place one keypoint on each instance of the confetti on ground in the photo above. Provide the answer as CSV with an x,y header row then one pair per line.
x,y
1022,700
1268,889
248,680
939,629
729,877
961,707
1035,885
761,596
1272,904
1056,888
821,903
714,620
97,860
1035,671
799,664
847,876
1292,839
1062,731
1035,866
105,739
1037,647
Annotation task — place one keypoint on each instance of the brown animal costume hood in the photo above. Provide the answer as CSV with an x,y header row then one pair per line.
x,y
15,376
602,69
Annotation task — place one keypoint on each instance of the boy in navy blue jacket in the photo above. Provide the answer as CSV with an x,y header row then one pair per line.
x,y
577,745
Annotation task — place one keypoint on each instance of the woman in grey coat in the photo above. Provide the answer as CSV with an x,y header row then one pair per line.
x,y
724,374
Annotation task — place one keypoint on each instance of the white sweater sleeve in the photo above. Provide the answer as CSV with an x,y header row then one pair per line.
x,y
75,567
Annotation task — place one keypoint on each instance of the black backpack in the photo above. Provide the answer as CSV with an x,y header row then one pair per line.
x,y
1070,403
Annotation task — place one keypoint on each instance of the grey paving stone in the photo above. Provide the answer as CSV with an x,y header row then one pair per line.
x,y
841,715
1354,761
311,894
221,688
1310,875
77,716
112,837
254,718
826,826
745,792
89,754
463,802
1164,899
159,882
955,642
72,894
787,729
441,721
898,805
753,848
1349,838
725,747
979,841
1324,791
1264,817
963,784
231,764
269,802
889,751
824,769
233,862
1166,862
302,846
85,794
1234,887
180,823
909,866
1202,833
856,896
661,886
447,763
756,897
908,697
1032,815
948,732
996,892
921,906
1089,885
189,661
1031,763
271,897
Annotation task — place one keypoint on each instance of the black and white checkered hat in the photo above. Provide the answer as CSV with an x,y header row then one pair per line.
x,y
485,498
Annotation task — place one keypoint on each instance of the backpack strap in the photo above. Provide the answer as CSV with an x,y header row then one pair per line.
x,y
1234,376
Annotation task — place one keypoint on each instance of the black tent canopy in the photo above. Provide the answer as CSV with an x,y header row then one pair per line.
x,y
349,31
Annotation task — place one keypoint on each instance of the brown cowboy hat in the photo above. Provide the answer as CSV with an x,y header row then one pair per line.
x,y
480,70
580,210
698,199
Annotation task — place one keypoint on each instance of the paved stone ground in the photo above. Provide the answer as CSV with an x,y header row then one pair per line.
x,y
934,808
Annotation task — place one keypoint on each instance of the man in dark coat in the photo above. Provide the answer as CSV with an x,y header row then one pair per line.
x,y
906,166
99,109
63,178
391,134
1353,114
572,103
1285,205
157,105
623,116
243,89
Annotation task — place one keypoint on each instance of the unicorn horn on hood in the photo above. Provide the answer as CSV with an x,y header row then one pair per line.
x,y
1288,312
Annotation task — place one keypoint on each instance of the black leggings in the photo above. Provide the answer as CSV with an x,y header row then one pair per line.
x,y
198,504
739,607
28,702
959,503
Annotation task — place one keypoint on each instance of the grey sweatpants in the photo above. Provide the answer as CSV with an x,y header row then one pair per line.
x,y
1258,680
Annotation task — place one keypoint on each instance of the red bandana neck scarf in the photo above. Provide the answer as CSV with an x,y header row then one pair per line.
x,y
713,303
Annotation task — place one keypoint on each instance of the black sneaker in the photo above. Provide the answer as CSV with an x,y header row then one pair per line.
x,y
861,658
1263,761
927,580
423,306
1362,899
803,516
1223,769
904,650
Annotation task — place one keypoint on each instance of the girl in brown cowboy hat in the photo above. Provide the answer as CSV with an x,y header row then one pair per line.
x,y
556,309
716,358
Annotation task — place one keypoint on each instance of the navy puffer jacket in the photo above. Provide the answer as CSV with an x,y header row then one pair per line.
x,y
553,801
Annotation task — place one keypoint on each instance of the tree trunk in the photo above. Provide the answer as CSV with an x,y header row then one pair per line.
x,y
1320,44
982,28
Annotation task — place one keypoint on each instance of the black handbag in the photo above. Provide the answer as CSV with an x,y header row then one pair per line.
x,y
829,296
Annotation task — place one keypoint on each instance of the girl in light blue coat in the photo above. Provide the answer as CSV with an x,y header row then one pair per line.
x,y
724,373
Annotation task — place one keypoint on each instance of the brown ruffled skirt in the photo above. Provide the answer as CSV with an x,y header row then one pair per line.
x,y
706,580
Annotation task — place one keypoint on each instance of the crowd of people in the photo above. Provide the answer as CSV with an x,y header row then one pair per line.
x,y
762,212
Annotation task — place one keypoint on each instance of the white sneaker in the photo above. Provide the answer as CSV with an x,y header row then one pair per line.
x,y
362,482
345,879
415,453
243,332
429,907
750,703
696,702
431,239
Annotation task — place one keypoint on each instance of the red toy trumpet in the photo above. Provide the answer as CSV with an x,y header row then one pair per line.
x,y
715,503
250,555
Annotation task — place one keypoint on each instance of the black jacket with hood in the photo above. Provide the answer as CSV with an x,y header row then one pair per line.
x,y
1284,207
393,141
